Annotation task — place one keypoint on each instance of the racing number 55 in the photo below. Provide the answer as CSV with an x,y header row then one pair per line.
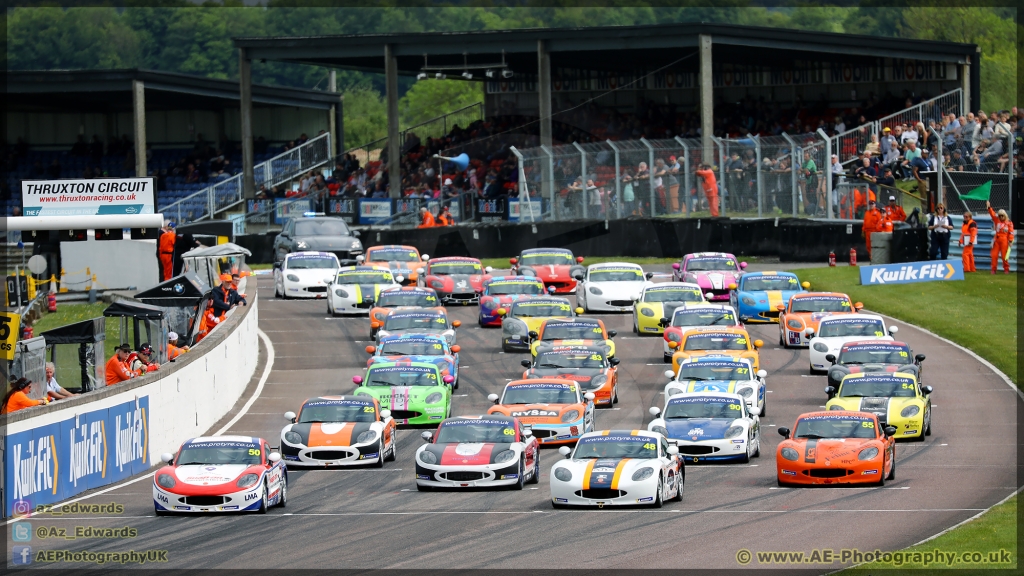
x,y
9,324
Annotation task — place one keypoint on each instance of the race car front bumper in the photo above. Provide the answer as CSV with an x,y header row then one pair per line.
x,y
752,315
321,456
242,501
516,343
795,338
464,298
791,473
503,474
552,434
350,306
717,450
628,493
305,290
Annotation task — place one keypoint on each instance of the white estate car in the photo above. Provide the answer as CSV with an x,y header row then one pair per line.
x,y
610,287
305,274
834,331
709,426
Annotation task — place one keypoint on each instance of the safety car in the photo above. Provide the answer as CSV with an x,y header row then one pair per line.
x,y
457,280
400,297
305,274
714,272
805,310
402,260
836,447
588,366
714,341
555,409
897,399
710,426
355,289
720,374
421,321
870,356
339,431
659,301
415,392
554,266
833,332
610,287
525,316
430,348
502,291
478,451
757,295
695,316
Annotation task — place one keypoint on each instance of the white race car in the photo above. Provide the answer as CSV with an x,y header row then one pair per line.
x,y
355,289
221,474
696,315
305,274
618,468
720,374
419,321
339,431
473,451
834,331
710,426
610,287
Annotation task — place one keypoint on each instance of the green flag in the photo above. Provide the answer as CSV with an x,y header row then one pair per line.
x,y
982,192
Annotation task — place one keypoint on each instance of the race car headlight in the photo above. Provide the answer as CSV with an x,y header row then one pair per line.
x,y
868,453
647,312
674,391
745,392
747,300
433,398
674,337
292,278
292,437
910,411
794,324
514,328
835,407
342,294
733,431
598,381
505,456
368,436
435,283
570,416
643,474
301,245
379,316
660,430
819,347
166,481
595,291
562,474
790,454
488,304
247,480
427,457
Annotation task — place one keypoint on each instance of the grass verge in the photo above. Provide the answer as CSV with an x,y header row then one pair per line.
x,y
66,363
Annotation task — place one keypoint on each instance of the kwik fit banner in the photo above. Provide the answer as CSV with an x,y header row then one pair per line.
x,y
51,463
98,196
910,272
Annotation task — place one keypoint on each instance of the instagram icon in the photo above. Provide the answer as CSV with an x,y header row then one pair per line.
x,y
21,509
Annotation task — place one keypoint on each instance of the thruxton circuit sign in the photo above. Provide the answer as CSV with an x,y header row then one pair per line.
x,y
99,196
909,272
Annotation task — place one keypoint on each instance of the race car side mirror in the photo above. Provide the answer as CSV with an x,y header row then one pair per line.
x,y
456,349
524,363
920,357
501,312
893,330
743,265
579,259
926,389
655,411
675,265
806,285
732,286
663,322
399,278
758,343
360,258
374,324
831,358
551,289
579,311
457,323
755,410
425,257
780,307
589,396
762,373
649,275
488,269
274,457
370,349
578,276
512,261
357,380
167,457
289,416
527,432
709,295
614,361
493,398
673,345
612,333
858,305
672,450
890,430
385,414
830,390
784,432
277,265
420,270
533,334
565,451
809,331
448,379
670,374
427,436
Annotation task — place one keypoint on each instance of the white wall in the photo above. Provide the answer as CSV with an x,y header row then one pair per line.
x,y
117,264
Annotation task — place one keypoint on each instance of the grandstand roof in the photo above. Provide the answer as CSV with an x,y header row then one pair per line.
x,y
110,91
612,48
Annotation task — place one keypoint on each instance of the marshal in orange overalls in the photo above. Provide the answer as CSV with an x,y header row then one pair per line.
x,y
707,179
167,254
1002,241
968,238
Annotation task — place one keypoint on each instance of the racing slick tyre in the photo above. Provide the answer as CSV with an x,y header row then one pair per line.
x,y
380,454
757,452
892,472
659,500
615,398
781,341
667,358
160,512
764,409
277,291
679,491
784,484
423,488
263,500
928,424
536,469
393,455
635,329
746,458
284,492
558,506
522,471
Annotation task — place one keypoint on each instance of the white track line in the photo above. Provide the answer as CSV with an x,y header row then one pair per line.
x,y
245,408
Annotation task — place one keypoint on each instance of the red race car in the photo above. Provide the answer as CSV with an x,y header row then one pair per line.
x,y
501,291
554,266
457,280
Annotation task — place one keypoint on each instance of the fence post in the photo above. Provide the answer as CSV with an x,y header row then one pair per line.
x,y
650,172
721,176
760,177
583,176
618,180
686,175
828,181
938,171
1009,170
794,165
550,178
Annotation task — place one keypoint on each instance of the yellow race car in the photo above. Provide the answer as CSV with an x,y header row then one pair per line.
x,y
897,398
716,341
652,311
526,315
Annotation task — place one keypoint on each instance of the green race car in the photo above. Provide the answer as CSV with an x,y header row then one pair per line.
x,y
415,392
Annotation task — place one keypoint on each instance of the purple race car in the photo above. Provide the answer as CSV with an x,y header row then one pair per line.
x,y
712,271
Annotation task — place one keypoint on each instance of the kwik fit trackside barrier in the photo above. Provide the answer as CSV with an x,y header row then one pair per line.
x,y
54,452
910,272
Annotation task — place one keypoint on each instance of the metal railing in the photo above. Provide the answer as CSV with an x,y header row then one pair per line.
x,y
227,193
951,102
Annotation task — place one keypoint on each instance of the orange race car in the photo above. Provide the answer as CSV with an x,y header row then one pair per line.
x,y
716,341
836,447
805,310
404,261
586,365
405,297
557,410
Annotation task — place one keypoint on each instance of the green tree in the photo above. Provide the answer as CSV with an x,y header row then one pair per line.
x,y
431,98
366,117
76,38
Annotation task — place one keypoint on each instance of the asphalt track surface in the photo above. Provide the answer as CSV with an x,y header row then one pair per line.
x,y
375,518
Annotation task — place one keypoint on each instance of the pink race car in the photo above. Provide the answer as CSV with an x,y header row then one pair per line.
x,y
712,271
456,280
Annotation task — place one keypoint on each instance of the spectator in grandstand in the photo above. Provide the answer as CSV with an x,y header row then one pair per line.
x,y
867,173
117,371
939,225
191,174
173,349
426,218
628,195
910,134
673,184
874,146
17,399
837,172
885,141
909,155
54,390
894,211
886,179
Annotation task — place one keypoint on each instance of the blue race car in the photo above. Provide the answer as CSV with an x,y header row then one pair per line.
x,y
759,294
429,348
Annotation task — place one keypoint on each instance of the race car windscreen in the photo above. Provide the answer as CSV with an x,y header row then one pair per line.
x,y
311,262
820,304
247,453
539,394
405,347
499,288
766,283
398,298
401,322
392,255
476,431
616,275
851,327
572,331
715,342
673,295
703,408
683,317
711,265
616,447
401,376
874,354
321,228
878,387
713,371
547,259
540,310
573,359
364,278
814,427
456,268
337,411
